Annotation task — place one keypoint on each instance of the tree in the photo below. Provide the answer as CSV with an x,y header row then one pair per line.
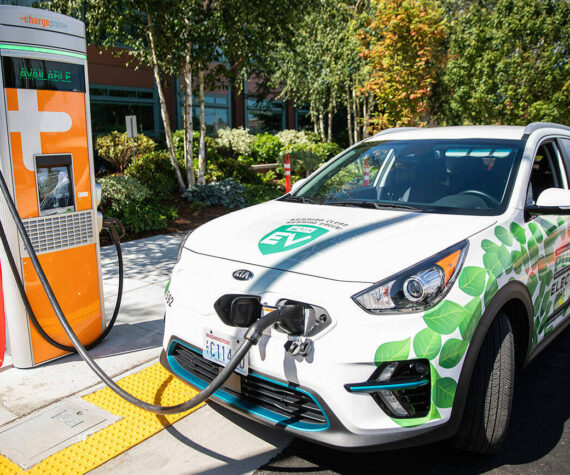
x,y
148,29
401,44
509,63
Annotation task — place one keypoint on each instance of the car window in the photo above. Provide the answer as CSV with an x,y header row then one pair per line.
x,y
471,176
546,172
565,144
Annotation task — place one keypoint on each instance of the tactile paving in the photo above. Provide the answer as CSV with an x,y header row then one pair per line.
x,y
154,385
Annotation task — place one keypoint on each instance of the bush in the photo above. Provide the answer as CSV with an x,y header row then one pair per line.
x,y
255,194
239,169
303,161
154,171
294,137
234,141
134,204
326,150
265,148
227,193
117,149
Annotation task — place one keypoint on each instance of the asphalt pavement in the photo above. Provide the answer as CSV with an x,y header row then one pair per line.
x,y
538,440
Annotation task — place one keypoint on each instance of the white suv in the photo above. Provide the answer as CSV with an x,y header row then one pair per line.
x,y
430,264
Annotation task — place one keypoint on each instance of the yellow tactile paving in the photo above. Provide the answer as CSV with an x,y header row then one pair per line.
x,y
153,384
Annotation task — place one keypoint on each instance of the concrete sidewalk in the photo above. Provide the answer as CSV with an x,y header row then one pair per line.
x,y
202,441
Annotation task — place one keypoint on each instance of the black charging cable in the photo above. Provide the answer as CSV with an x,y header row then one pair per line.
x,y
109,224
251,337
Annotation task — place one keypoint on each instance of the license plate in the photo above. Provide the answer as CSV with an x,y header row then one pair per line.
x,y
219,348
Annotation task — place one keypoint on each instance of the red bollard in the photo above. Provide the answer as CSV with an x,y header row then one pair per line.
x,y
287,173
366,177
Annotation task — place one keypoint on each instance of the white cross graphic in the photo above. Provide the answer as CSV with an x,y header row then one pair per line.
x,y
29,121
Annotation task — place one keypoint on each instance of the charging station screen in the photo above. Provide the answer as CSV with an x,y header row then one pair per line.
x,y
26,73
55,189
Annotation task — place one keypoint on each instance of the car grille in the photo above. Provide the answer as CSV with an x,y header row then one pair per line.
x,y
287,401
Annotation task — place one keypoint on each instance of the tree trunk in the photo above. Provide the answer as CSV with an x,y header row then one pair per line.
x,y
313,114
202,146
368,114
322,124
331,114
163,109
188,121
349,117
355,113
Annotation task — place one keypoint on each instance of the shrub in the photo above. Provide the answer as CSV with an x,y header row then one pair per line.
x,y
227,193
294,137
255,194
265,148
303,161
134,204
234,141
326,150
117,149
154,171
239,169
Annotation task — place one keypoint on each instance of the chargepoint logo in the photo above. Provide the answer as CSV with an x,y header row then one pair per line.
x,y
288,237
46,23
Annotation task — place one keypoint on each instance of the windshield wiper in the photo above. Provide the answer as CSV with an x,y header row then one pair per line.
x,y
373,204
298,199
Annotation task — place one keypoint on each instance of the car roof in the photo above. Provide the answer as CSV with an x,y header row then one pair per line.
x,y
508,132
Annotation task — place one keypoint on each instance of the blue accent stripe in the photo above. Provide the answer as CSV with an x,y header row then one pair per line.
x,y
371,388
246,406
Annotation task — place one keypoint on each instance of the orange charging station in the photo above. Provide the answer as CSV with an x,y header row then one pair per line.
x,y
46,159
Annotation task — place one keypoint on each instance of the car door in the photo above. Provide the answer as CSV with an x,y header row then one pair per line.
x,y
547,245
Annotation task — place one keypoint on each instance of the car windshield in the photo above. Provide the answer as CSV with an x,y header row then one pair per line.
x,y
446,176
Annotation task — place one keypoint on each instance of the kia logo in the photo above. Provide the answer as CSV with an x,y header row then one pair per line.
x,y
242,274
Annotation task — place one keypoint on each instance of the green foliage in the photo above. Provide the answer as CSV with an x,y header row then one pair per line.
x,y
444,392
117,149
255,194
265,148
155,172
133,204
472,280
231,142
238,169
227,193
452,352
508,63
296,137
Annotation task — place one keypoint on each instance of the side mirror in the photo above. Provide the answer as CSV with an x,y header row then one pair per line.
x,y
298,184
551,201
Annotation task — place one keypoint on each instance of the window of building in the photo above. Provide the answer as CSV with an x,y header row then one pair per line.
x,y
110,105
216,110
303,119
264,116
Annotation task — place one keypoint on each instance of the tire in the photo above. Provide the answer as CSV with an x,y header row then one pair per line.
x,y
488,408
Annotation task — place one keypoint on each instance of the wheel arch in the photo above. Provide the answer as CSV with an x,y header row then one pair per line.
x,y
514,300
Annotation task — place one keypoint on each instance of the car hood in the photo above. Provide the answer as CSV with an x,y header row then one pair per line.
x,y
332,242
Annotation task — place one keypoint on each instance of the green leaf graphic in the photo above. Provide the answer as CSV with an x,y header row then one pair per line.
x,y
492,264
452,352
468,325
531,284
504,235
445,317
532,250
491,290
472,280
444,392
518,233
392,351
418,421
516,258
505,258
548,227
427,344
536,232
489,246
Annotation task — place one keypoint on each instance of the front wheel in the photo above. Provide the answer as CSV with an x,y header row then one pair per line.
x,y
487,412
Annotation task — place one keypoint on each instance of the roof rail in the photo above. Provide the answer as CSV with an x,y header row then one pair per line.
x,y
394,129
533,126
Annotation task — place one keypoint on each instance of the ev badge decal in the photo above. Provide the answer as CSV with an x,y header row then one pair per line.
x,y
288,237
242,274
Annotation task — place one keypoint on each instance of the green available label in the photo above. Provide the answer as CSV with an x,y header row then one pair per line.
x,y
288,237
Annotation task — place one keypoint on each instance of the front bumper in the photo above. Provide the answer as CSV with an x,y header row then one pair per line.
x,y
342,353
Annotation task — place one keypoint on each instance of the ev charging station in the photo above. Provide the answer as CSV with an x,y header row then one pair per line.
x,y
46,160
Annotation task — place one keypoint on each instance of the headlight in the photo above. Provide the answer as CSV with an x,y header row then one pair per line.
x,y
416,288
